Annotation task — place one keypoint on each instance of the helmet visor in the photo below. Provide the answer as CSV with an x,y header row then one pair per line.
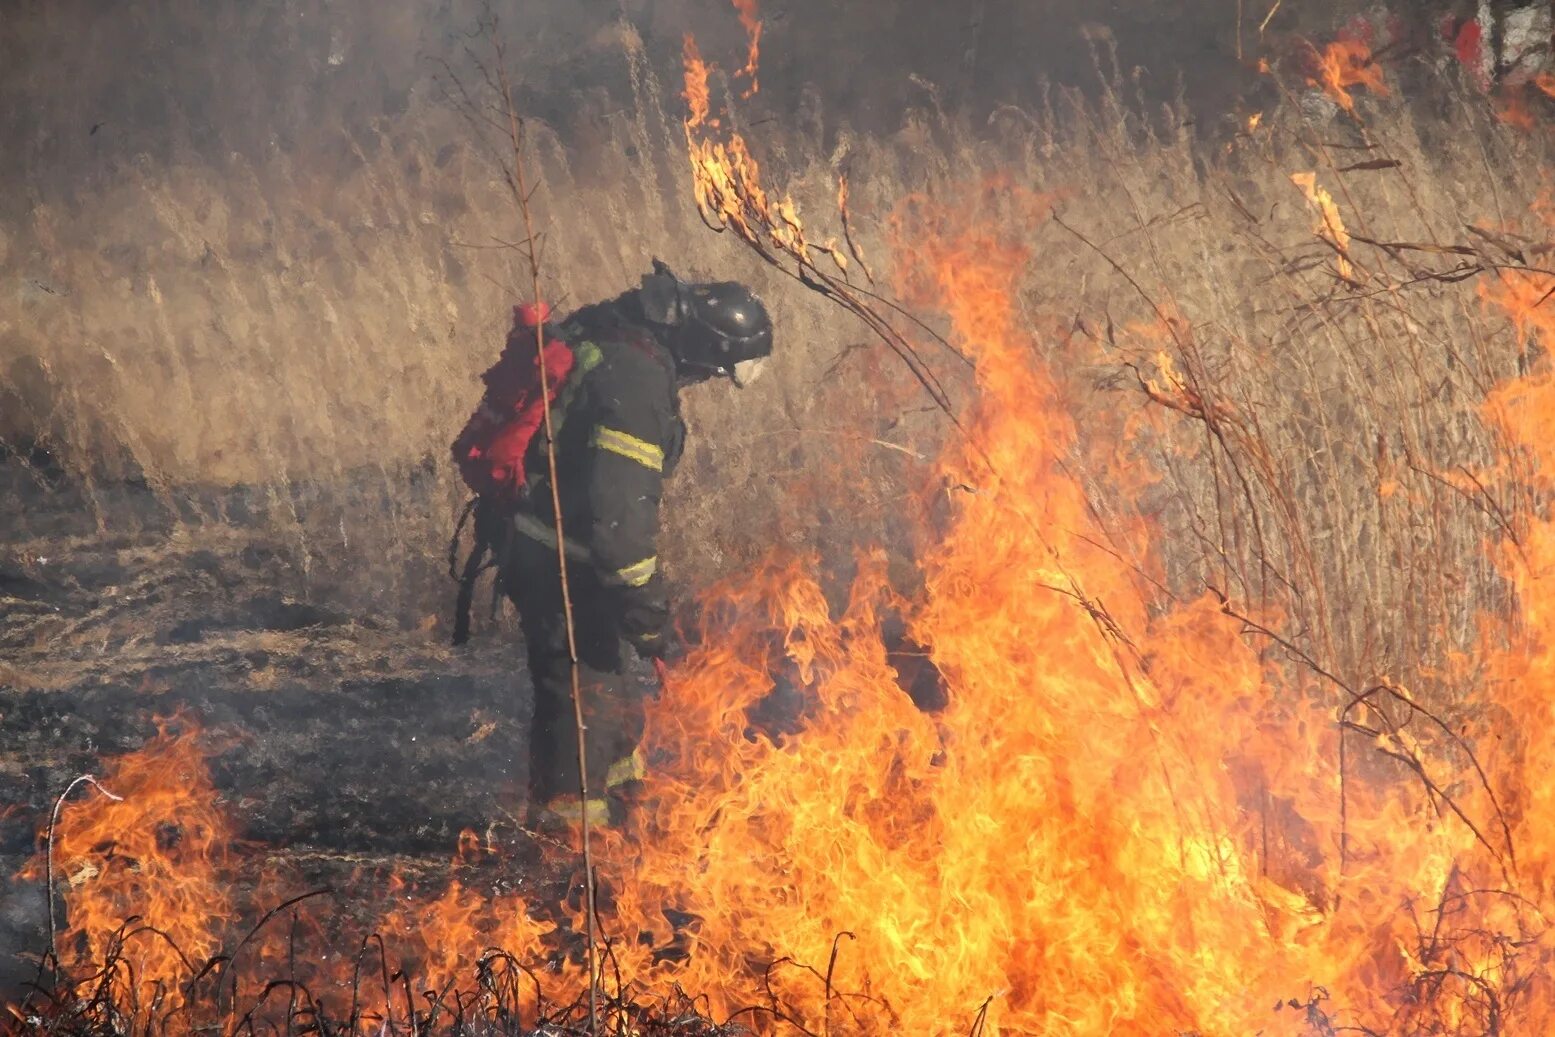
x,y
746,372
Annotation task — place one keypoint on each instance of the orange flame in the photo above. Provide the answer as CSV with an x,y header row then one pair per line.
x,y
1128,819
1512,108
1330,225
751,20
1072,836
1514,103
1525,296
158,855
727,180
698,96
1344,65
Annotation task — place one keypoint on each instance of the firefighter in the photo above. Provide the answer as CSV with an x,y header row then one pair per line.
x,y
618,436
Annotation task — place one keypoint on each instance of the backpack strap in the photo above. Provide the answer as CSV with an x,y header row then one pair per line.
x,y
587,356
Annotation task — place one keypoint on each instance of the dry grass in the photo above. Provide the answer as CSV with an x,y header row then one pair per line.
x,y
311,333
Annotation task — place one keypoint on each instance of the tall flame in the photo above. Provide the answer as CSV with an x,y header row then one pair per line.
x,y
697,94
1127,820
750,18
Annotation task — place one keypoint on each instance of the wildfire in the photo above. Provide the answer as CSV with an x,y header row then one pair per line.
x,y
1129,819
697,94
1126,820
727,180
1344,65
1525,298
1513,109
1514,105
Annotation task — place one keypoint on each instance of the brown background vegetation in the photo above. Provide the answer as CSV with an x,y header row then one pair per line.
x,y
250,257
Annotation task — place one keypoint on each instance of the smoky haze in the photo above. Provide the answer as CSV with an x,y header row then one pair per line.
x,y
95,87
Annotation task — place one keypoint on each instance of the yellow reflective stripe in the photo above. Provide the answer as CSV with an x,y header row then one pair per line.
x,y
572,812
589,356
628,768
629,446
534,529
639,573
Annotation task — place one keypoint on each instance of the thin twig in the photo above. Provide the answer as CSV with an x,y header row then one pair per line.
x,y
521,197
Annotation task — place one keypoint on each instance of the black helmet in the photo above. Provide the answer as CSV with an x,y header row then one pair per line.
x,y
719,328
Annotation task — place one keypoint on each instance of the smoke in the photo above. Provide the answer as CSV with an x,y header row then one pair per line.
x,y
98,90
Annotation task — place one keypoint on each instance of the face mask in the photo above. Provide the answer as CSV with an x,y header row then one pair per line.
x,y
746,372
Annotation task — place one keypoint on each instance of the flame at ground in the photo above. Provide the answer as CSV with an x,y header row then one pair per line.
x,y
1082,837
144,874
1126,821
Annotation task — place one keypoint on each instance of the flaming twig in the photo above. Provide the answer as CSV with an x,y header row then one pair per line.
x,y
1411,758
1504,857
730,196
231,959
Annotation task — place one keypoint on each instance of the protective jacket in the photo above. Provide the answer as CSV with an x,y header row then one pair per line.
x,y
618,436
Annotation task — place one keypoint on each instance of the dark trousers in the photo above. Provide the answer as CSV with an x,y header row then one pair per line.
x,y
612,698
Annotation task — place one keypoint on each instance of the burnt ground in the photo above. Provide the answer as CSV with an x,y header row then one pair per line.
x,y
344,742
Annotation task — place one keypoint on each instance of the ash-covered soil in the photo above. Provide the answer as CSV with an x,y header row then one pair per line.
x,y
345,743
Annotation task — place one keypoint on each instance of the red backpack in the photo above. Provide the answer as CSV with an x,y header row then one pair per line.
x,y
490,451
